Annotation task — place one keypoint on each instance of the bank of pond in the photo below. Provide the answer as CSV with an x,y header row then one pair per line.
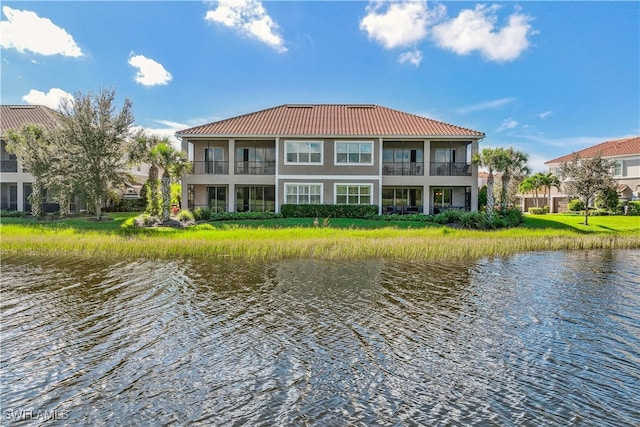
x,y
321,238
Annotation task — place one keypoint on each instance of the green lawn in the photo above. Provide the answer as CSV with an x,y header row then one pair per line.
x,y
597,224
117,221
297,237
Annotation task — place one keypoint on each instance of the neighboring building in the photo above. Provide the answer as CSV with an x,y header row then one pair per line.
x,y
16,182
330,154
625,153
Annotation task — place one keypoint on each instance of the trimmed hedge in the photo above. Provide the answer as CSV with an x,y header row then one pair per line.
x,y
205,214
539,211
329,211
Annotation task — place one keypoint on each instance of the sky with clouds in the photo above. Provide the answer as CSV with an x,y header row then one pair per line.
x,y
548,78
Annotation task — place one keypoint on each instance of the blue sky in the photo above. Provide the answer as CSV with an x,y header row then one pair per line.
x,y
548,78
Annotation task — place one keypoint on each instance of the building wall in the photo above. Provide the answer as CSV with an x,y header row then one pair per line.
x,y
329,173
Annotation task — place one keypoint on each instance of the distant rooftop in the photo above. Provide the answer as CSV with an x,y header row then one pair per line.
x,y
613,148
329,120
15,116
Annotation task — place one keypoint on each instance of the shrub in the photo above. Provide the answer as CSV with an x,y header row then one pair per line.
x,y
132,205
474,220
185,216
202,214
13,214
326,211
575,205
537,211
448,217
239,216
598,212
513,217
634,208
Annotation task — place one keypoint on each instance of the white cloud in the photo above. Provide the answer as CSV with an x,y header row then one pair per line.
x,y
250,18
50,99
150,72
413,57
544,115
475,30
507,124
487,105
26,31
398,24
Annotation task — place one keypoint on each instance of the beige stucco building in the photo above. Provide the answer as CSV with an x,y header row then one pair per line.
x,y
330,154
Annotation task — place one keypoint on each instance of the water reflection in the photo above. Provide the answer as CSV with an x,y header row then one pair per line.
x,y
536,339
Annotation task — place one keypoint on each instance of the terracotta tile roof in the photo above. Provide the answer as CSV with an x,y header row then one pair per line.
x,y
614,148
14,116
329,120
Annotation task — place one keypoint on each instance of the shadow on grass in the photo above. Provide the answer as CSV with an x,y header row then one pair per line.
x,y
540,222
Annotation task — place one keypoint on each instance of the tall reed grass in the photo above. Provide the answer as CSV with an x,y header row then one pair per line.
x,y
321,243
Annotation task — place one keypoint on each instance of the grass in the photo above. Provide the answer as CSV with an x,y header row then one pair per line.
x,y
297,237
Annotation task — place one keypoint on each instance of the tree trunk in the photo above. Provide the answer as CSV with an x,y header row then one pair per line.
x,y
490,198
166,196
35,198
586,211
153,204
98,207
504,191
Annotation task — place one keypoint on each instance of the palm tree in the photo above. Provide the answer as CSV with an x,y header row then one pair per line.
x,y
492,159
513,163
174,165
532,184
142,152
548,180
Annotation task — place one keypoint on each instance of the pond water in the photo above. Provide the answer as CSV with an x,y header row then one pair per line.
x,y
550,338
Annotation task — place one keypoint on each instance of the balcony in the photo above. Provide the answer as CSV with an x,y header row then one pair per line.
x,y
8,166
210,168
255,168
450,169
403,168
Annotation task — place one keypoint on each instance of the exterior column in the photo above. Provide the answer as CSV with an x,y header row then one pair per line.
x,y
380,154
277,180
232,197
232,171
474,176
232,157
426,203
20,199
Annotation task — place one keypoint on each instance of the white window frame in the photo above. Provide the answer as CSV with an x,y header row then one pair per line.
x,y
300,143
349,163
353,184
302,184
618,163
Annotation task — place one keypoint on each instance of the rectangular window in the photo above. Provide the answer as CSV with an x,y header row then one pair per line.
x,y
354,153
217,199
617,168
303,152
255,199
353,194
303,194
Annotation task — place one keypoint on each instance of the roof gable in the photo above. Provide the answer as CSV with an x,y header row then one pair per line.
x,y
15,116
329,120
613,148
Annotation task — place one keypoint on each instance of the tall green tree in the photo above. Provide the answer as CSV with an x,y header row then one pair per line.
x,y
174,165
493,160
143,152
548,180
512,163
584,178
35,150
94,140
